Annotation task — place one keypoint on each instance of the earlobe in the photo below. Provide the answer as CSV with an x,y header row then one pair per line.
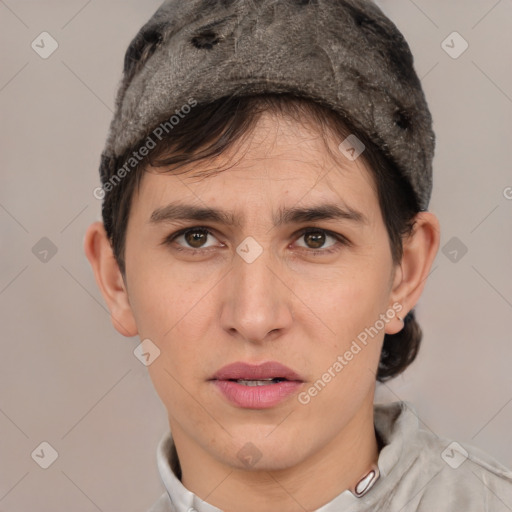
x,y
109,279
419,252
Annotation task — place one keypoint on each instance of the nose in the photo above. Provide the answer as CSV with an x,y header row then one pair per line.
x,y
257,304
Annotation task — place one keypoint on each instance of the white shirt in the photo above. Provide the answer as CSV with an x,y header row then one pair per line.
x,y
419,472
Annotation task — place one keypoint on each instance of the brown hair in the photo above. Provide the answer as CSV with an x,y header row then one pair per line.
x,y
209,129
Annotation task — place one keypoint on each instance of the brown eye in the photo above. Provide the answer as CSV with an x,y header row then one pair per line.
x,y
314,239
196,238
191,239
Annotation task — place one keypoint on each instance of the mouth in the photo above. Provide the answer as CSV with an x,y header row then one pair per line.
x,y
256,386
259,382
270,372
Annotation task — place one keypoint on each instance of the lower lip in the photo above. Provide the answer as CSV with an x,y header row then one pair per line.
x,y
257,397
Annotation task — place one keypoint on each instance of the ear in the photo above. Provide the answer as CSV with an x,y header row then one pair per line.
x,y
419,252
109,279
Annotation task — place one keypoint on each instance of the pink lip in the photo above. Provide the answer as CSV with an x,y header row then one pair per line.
x,y
268,370
256,397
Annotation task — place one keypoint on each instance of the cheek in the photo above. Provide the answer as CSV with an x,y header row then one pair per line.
x,y
175,319
347,359
348,304
350,297
163,293
171,305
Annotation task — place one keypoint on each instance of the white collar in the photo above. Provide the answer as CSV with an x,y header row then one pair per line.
x,y
395,422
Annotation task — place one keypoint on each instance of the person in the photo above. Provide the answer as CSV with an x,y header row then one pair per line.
x,y
266,234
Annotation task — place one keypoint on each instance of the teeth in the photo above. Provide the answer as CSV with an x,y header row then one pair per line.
x,y
261,382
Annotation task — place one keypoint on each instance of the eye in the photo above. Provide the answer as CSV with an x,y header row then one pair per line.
x,y
315,238
193,238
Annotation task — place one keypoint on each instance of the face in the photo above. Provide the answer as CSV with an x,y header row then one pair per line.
x,y
262,283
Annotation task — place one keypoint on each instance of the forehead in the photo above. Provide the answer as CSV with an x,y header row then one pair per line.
x,y
281,160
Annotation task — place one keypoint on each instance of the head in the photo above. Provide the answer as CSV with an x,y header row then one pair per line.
x,y
297,252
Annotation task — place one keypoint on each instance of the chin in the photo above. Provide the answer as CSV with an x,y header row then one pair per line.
x,y
264,453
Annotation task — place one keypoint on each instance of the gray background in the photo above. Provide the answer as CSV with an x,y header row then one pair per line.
x,y
68,378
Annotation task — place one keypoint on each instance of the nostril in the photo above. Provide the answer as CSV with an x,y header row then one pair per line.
x,y
205,40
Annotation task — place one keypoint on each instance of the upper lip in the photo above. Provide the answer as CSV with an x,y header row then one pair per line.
x,y
267,370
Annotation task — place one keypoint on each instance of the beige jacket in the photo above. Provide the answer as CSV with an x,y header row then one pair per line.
x,y
420,472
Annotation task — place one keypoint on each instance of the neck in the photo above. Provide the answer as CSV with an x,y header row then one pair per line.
x,y
308,485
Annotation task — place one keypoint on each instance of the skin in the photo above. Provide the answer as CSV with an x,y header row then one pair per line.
x,y
207,310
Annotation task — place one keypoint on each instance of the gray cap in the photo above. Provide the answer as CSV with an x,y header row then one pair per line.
x,y
345,54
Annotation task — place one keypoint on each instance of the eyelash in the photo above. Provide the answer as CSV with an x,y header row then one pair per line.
x,y
343,241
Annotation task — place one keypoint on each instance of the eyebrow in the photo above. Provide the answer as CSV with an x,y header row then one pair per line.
x,y
294,215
